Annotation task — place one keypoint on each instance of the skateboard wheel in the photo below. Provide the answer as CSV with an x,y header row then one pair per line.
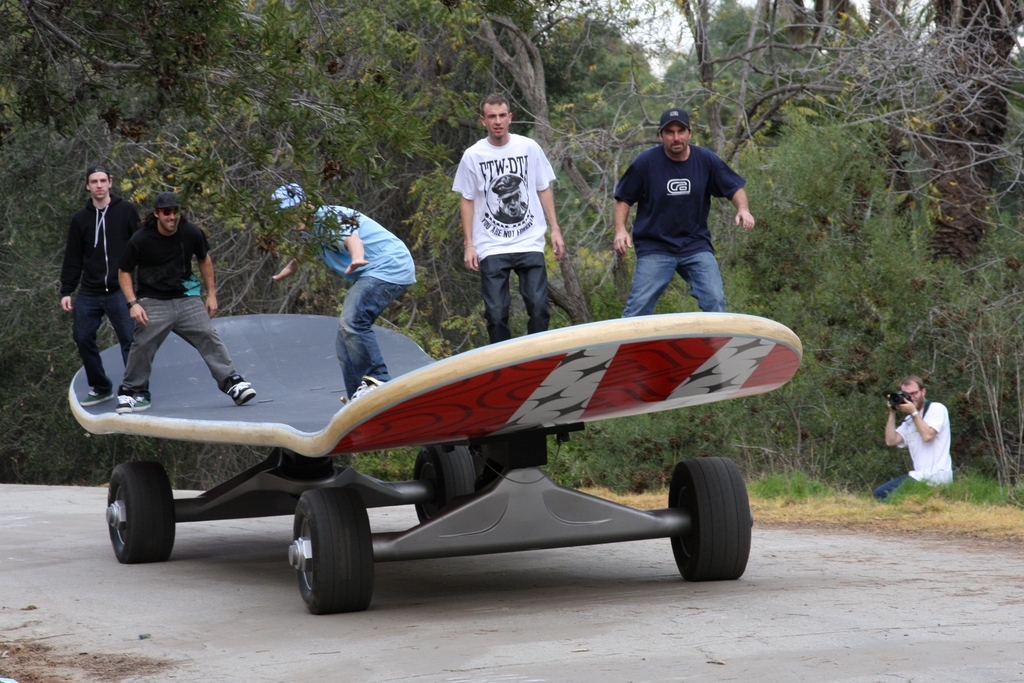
x,y
452,473
333,551
140,513
718,544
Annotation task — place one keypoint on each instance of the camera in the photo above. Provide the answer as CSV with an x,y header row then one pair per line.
x,y
896,398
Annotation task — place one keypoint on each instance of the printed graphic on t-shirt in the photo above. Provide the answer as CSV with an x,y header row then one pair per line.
x,y
191,285
678,186
506,184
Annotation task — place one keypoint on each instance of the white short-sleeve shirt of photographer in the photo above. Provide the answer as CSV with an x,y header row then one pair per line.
x,y
932,462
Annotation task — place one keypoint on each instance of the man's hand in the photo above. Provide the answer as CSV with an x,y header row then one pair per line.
x,y
892,438
356,265
469,257
745,219
287,271
211,304
620,214
65,304
907,407
557,244
623,241
742,204
138,314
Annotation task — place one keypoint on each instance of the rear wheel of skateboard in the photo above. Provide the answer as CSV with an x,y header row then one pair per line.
x,y
140,513
451,472
333,551
718,544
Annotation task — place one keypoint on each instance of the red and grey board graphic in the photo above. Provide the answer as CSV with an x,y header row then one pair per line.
x,y
586,384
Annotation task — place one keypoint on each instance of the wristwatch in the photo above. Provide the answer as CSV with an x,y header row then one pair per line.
x,y
132,303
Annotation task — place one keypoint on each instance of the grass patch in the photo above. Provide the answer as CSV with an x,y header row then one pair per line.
x,y
392,465
796,486
971,507
969,488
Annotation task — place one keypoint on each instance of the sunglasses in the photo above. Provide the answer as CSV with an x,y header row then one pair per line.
x,y
167,212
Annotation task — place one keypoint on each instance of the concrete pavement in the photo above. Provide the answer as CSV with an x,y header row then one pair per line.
x,y
812,606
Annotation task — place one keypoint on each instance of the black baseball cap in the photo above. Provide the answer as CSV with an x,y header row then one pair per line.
x,y
166,200
675,114
96,168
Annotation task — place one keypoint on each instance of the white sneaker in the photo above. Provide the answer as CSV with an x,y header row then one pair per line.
x,y
366,386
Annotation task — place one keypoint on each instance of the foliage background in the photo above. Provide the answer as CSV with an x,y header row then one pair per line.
x,y
371,104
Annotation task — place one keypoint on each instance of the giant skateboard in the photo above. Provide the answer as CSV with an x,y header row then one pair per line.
x,y
482,418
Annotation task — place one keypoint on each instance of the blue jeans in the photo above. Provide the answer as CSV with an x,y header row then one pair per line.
x,y
654,273
889,487
88,313
357,347
495,273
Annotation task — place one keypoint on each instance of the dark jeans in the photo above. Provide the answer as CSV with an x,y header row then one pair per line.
x,y
88,313
495,272
889,487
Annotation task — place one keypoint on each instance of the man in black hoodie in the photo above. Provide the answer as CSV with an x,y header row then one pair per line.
x,y
97,238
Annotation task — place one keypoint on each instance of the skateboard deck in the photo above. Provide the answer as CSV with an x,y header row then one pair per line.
x,y
576,374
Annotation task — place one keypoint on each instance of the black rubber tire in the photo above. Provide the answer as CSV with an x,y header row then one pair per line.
x,y
718,545
341,577
452,473
148,534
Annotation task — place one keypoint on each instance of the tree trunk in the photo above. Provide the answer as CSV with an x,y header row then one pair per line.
x,y
979,38
698,21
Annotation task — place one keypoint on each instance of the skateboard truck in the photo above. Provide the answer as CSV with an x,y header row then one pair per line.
x,y
520,509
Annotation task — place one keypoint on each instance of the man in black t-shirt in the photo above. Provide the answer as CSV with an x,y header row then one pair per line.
x,y
672,185
169,300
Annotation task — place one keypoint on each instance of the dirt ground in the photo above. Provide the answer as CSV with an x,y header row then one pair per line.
x,y
32,661
815,604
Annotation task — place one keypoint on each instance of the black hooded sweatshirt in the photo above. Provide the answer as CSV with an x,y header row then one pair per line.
x,y
96,241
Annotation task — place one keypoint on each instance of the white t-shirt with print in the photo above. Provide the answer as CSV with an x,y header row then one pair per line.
x,y
932,463
503,183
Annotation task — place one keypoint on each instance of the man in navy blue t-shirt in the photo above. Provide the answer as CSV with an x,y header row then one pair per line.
x,y
672,186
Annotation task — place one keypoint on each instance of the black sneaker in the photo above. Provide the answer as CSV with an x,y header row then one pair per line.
x,y
241,392
125,404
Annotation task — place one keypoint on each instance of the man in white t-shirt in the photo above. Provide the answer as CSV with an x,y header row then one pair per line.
x,y
505,182
924,431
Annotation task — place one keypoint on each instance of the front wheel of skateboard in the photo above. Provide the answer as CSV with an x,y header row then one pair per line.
x,y
140,513
718,544
451,472
333,551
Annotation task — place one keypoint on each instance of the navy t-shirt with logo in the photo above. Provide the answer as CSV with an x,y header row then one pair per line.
x,y
673,199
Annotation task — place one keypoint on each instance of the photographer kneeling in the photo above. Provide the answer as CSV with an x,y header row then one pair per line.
x,y
924,430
